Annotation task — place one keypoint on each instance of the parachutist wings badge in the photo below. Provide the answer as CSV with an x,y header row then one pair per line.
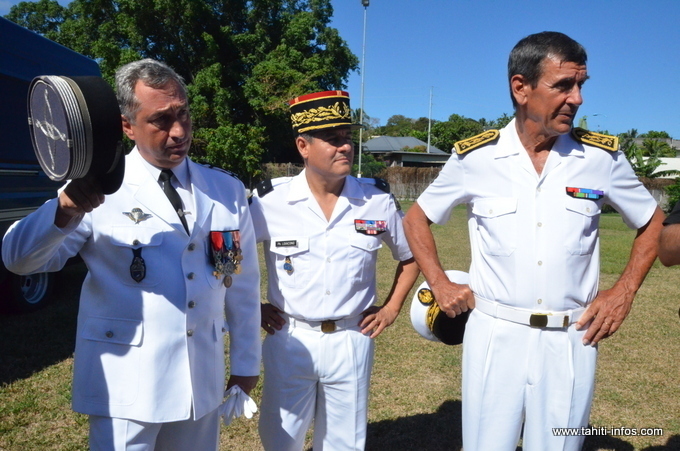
x,y
137,215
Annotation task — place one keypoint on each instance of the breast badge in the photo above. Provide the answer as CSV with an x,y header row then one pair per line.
x,y
138,266
137,215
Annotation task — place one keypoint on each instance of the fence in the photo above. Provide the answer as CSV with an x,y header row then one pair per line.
x,y
407,183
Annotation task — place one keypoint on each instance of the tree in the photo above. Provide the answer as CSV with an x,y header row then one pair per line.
x,y
446,133
655,135
646,166
44,17
242,61
370,166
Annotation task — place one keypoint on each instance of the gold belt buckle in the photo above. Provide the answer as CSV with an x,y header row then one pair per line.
x,y
538,320
327,326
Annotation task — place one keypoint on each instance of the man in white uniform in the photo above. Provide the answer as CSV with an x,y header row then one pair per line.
x,y
534,193
149,359
321,232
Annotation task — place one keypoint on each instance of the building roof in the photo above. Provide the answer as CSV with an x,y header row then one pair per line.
x,y
386,144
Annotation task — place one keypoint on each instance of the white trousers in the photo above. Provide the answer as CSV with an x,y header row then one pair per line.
x,y
311,375
117,434
514,373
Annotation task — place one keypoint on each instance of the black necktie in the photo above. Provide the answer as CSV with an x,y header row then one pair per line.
x,y
173,197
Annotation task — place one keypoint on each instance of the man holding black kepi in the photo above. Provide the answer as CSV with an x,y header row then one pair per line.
x,y
321,231
167,253
534,192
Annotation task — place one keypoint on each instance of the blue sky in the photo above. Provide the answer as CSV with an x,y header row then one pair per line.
x,y
459,50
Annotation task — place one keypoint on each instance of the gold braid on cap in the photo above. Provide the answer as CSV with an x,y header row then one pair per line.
x,y
304,120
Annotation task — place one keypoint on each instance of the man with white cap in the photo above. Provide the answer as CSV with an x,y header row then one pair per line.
x,y
534,192
321,231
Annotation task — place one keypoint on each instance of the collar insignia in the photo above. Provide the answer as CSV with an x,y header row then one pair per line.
x,y
137,215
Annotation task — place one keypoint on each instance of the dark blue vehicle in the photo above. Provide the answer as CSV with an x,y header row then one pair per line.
x,y
23,185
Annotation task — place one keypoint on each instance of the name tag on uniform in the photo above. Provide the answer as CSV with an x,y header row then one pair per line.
x,y
585,193
286,243
370,226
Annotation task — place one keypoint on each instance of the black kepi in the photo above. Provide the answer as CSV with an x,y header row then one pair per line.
x,y
76,129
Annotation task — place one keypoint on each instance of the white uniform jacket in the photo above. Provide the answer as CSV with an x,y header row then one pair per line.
x,y
320,269
152,350
534,245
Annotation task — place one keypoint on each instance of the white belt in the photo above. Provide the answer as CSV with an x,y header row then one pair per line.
x,y
528,317
326,326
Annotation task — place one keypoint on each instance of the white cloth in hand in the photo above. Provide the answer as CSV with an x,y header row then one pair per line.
x,y
237,403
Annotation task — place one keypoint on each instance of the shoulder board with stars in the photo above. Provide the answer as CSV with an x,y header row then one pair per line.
x,y
477,141
381,184
606,142
210,166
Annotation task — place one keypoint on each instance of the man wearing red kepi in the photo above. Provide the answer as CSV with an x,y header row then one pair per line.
x,y
321,231
534,192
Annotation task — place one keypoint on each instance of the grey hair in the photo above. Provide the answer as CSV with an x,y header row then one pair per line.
x,y
152,73
307,137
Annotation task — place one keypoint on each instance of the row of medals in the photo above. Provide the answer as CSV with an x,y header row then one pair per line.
x,y
226,264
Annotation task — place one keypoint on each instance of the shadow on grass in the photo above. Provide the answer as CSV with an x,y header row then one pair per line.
x,y
432,431
597,442
33,341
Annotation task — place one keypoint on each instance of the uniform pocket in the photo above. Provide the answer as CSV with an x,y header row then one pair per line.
x,y
111,348
497,224
362,257
145,241
291,258
580,225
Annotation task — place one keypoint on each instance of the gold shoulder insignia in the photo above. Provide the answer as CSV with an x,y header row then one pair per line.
x,y
469,144
606,142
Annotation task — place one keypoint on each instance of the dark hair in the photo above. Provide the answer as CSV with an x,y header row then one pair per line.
x,y
526,58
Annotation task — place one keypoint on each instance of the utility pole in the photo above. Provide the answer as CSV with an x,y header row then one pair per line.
x,y
363,69
429,122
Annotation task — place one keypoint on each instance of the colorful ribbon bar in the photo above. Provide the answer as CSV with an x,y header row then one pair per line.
x,y
585,193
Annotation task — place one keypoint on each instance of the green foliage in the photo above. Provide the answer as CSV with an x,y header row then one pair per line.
x,y
673,192
655,135
418,149
370,166
237,148
242,60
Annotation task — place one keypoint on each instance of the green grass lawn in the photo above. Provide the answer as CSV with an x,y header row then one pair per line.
x,y
415,392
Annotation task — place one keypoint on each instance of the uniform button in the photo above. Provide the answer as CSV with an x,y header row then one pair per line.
x,y
224,329
135,243
540,301
538,189
540,263
109,334
587,209
191,304
190,276
328,259
490,211
540,224
191,246
190,332
328,292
